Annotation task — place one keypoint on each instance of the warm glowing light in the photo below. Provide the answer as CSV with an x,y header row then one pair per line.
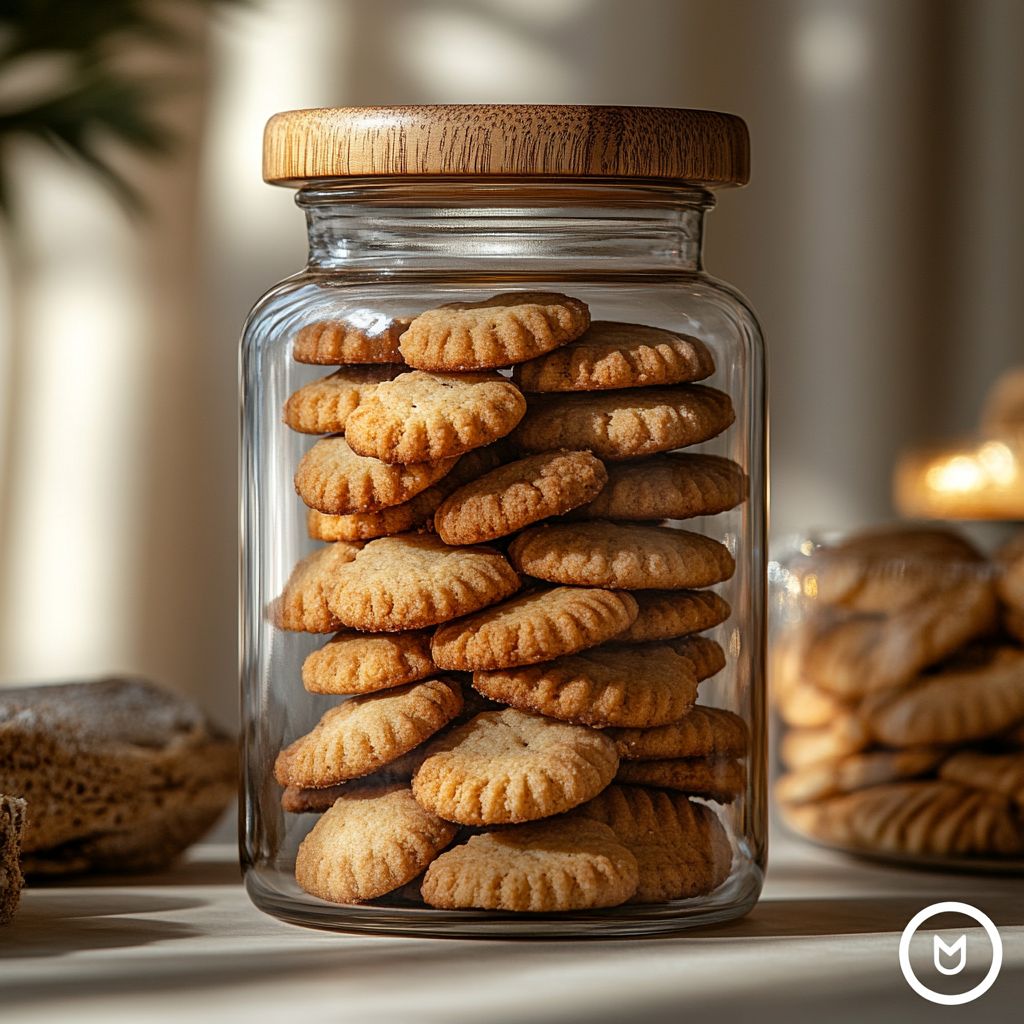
x,y
807,547
998,461
811,585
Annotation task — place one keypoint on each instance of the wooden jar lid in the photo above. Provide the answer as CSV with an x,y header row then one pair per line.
x,y
697,147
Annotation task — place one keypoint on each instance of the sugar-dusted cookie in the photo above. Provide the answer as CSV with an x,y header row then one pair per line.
x,y
310,800
617,355
414,580
680,846
557,865
846,734
519,494
332,479
324,406
1000,773
626,557
535,626
352,662
508,766
372,840
302,605
362,338
624,424
701,732
499,331
364,733
665,614
424,417
715,778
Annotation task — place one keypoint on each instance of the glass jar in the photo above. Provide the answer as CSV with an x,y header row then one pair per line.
x,y
505,736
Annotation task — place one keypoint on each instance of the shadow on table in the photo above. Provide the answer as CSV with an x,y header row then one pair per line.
x,y
180,873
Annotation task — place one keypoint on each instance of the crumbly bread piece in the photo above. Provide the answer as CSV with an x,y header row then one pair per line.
x,y
846,734
366,339
666,614
714,778
352,662
12,828
701,732
324,406
302,605
1000,773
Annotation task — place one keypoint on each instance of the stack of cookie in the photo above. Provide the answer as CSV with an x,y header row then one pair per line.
x,y
516,630
904,699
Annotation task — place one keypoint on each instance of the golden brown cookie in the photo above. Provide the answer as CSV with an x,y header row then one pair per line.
x,y
701,732
364,733
332,479
626,557
367,338
302,604
310,800
680,847
499,331
536,626
416,580
665,614
1010,585
846,734
372,840
324,406
624,424
799,702
424,417
999,773
352,662
519,494
507,766
715,778
617,355
557,865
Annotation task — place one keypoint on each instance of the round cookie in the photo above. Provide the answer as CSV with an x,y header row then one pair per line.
x,y
617,355
336,342
370,842
999,773
332,479
701,732
624,424
535,626
845,734
721,779
550,866
626,557
302,605
506,766
519,494
353,663
499,331
424,417
414,580
666,614
364,733
324,406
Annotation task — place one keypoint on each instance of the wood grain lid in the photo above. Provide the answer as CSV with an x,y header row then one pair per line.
x,y
698,147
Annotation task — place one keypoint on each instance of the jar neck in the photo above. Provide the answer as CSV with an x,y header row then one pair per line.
x,y
516,228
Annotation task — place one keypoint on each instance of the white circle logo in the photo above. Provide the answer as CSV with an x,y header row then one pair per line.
x,y
959,946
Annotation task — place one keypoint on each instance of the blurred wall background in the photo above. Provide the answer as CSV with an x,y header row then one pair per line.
x,y
881,240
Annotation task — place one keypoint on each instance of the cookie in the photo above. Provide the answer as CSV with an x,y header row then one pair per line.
x,y
519,494
365,733
799,702
845,734
507,766
504,329
998,773
332,479
633,557
550,866
616,355
363,338
715,778
681,848
310,800
624,424
353,663
701,732
324,406
666,614
415,580
368,843
424,417
302,605
668,486
1010,584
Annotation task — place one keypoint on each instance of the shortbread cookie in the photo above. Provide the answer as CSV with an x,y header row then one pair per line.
x,y
624,424
1010,585
617,355
633,557
424,417
536,626
715,778
371,841
508,766
934,818
324,406
302,604
368,338
499,331
519,494
365,733
352,662
310,800
845,734
332,479
1000,773
701,732
416,580
680,847
668,486
550,866
665,614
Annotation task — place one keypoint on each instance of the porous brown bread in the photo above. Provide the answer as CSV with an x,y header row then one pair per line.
x,y
12,826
